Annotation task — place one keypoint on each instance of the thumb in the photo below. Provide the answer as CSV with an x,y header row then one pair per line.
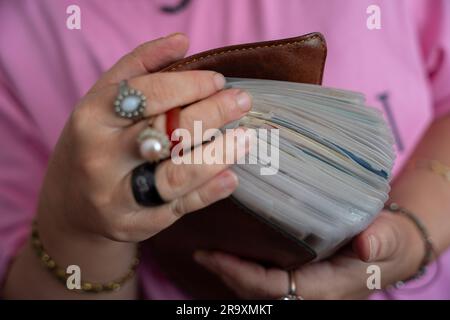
x,y
380,241
148,57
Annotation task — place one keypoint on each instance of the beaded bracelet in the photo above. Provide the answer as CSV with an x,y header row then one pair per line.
x,y
429,248
60,273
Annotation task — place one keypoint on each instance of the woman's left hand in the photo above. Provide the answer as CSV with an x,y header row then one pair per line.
x,y
392,243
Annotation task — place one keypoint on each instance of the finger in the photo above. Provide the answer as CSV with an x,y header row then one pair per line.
x,y
146,58
249,280
342,276
180,175
174,180
148,222
380,241
163,91
213,113
216,189
166,90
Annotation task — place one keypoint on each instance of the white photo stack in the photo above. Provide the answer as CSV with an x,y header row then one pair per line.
x,y
335,161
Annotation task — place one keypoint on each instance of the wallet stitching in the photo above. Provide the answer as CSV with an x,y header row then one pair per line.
x,y
250,48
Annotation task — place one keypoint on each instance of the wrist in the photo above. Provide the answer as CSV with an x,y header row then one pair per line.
x,y
100,259
416,245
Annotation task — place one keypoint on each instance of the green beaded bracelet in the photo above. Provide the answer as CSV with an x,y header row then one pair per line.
x,y
60,273
429,248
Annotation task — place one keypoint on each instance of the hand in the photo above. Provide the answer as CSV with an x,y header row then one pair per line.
x,y
87,187
392,242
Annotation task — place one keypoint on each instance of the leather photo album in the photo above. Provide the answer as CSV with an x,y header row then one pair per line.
x,y
331,182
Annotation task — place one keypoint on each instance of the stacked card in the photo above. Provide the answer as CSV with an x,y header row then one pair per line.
x,y
322,164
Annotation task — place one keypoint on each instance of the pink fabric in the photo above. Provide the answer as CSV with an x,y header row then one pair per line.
x,y
45,69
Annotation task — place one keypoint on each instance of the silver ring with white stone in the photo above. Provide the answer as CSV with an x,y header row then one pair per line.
x,y
130,103
154,145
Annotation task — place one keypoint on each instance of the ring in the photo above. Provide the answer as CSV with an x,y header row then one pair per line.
x,y
130,103
154,146
292,288
143,185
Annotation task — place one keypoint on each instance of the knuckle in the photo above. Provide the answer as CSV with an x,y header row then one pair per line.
x,y
137,50
205,197
117,231
175,177
133,58
392,232
79,117
203,83
389,230
90,167
390,240
124,228
223,108
95,193
101,202
178,207
159,87
86,116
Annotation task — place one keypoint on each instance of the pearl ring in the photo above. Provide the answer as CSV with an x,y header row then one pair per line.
x,y
153,145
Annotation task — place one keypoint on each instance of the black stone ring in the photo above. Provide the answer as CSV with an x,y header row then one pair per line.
x,y
143,185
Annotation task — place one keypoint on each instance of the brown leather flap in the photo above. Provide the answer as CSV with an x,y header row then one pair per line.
x,y
299,59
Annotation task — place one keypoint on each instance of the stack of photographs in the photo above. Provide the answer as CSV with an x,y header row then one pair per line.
x,y
329,172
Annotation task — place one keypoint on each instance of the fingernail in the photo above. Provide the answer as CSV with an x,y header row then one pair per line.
x,y
373,248
173,35
243,101
228,181
219,81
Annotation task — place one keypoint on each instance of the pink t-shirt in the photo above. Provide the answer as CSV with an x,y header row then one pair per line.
x,y
403,68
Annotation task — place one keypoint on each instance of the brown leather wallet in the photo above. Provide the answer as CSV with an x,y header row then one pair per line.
x,y
227,226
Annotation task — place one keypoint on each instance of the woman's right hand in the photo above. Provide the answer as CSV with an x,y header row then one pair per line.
x,y
87,215
87,189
